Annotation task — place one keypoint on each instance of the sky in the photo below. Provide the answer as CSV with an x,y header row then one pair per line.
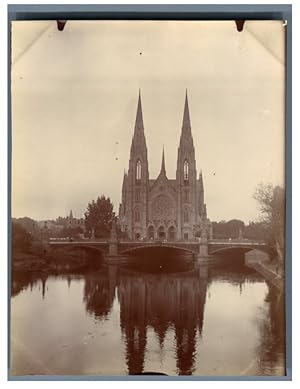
x,y
74,101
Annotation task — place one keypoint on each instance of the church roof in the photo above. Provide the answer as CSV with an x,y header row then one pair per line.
x,y
171,182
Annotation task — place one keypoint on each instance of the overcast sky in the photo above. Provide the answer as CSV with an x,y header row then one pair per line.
x,y
74,97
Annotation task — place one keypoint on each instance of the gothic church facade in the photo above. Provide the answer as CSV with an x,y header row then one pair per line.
x,y
163,208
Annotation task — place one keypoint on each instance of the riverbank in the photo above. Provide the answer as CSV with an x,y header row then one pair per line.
x,y
269,269
28,262
61,261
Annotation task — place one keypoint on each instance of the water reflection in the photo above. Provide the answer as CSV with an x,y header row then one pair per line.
x,y
162,302
99,292
272,335
170,310
21,281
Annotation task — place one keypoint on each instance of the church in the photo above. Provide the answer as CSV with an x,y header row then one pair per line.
x,y
163,208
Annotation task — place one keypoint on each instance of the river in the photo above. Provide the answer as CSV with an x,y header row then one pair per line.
x,y
222,320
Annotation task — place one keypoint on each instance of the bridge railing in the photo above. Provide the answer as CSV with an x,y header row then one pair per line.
x,y
77,241
236,241
158,242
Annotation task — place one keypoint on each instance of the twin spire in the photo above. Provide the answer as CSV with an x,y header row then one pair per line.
x,y
138,140
139,124
185,131
186,123
201,181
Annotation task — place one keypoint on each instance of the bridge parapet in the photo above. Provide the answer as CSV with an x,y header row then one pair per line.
x,y
236,241
128,246
222,246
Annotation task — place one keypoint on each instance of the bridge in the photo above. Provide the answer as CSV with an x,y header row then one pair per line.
x,y
200,248
219,246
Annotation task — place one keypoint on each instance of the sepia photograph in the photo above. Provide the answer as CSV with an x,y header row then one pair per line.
x,y
148,198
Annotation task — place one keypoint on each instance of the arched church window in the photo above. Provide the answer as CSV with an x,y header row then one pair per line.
x,y
186,170
138,175
185,215
137,215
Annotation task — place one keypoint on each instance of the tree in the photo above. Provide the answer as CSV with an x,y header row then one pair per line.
x,y
70,232
21,239
235,227
98,217
29,225
256,231
264,196
271,202
230,229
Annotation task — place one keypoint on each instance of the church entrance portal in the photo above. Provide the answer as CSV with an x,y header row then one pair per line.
x,y
171,233
161,233
151,233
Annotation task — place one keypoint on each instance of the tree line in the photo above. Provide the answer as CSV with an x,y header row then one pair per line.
x,y
235,228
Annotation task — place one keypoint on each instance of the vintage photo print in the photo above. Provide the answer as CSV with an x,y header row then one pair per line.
x,y
148,198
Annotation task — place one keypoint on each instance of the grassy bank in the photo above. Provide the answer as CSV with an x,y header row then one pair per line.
x,y
61,260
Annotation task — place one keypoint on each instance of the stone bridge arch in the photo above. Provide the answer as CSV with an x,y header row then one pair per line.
x,y
244,249
137,248
92,253
76,247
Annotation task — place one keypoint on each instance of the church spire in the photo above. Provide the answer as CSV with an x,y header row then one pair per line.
x,y
202,206
139,125
163,167
186,123
201,181
124,179
138,140
186,139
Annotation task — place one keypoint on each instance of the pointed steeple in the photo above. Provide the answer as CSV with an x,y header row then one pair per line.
x,y
201,206
138,140
124,180
163,167
201,187
201,181
139,125
186,123
71,214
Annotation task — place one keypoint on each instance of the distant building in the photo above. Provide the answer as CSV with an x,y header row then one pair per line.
x,y
163,208
49,228
72,222
55,228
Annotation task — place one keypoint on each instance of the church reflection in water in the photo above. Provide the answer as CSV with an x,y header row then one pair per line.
x,y
162,302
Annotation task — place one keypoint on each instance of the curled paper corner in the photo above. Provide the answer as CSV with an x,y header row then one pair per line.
x,y
284,23
61,24
240,24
